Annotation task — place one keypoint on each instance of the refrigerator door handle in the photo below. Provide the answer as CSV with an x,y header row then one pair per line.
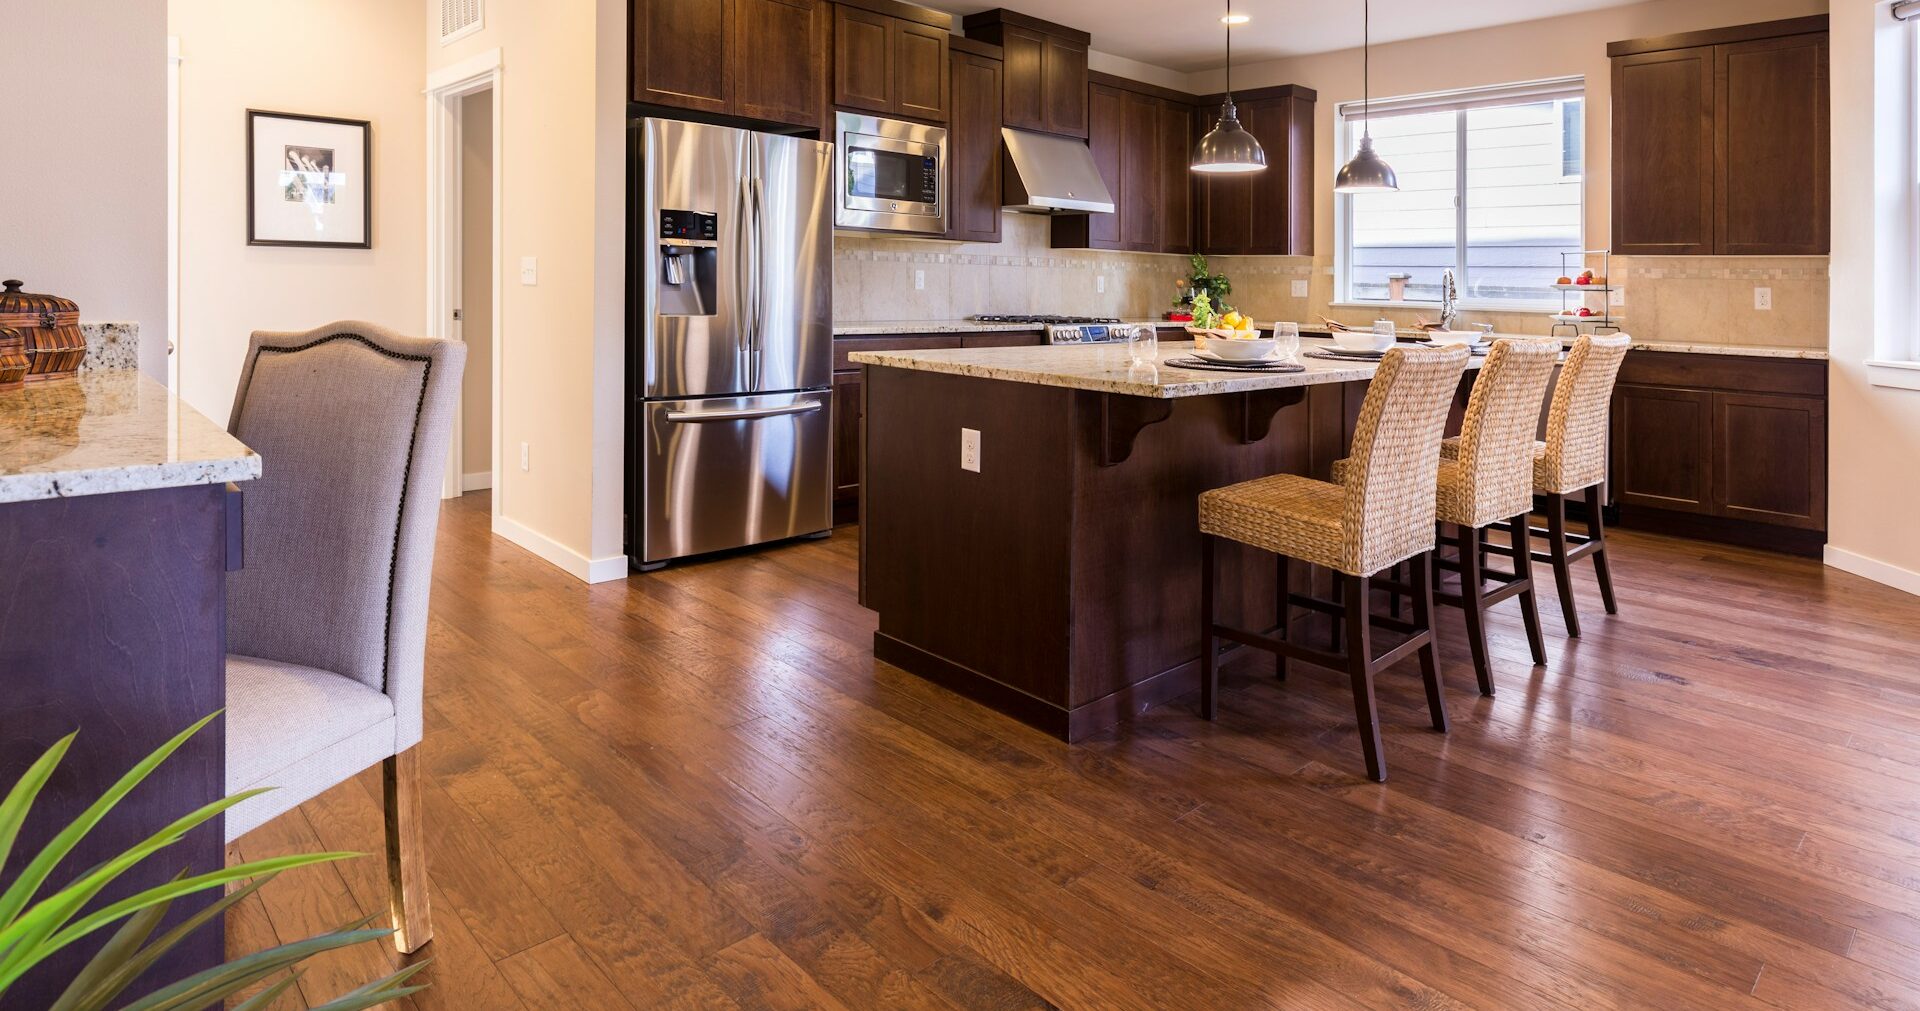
x,y
742,414
754,336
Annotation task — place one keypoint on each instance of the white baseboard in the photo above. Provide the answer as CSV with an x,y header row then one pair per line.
x,y
477,480
1874,569
575,564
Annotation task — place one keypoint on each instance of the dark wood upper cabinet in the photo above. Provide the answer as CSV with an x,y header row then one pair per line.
x,y
1720,141
1770,158
973,146
1176,178
891,58
1140,163
863,56
758,59
1045,72
1267,213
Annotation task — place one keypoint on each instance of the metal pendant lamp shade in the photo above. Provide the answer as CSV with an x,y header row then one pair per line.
x,y
1366,173
1228,147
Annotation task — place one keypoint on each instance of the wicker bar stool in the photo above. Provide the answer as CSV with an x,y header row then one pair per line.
x,y
1486,479
1573,460
1381,515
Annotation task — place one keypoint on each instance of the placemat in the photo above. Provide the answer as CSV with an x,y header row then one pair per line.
x,y
1275,368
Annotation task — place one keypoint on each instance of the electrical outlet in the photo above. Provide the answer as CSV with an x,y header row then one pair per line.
x,y
1300,289
1617,296
919,280
529,270
1100,284
970,450
525,458
1763,299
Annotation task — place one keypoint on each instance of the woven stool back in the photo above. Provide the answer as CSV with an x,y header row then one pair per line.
x,y
1396,456
1576,454
1495,477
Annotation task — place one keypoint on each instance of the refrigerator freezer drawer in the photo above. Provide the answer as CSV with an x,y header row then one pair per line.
x,y
726,472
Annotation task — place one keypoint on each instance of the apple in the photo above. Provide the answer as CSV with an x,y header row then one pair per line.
x,y
1584,279
1584,311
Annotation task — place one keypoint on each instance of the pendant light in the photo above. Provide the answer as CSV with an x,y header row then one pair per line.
x,y
1228,147
1366,173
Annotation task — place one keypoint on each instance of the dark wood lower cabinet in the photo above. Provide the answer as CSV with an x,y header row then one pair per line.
x,y
1723,448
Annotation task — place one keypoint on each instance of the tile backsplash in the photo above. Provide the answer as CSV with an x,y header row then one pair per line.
x,y
1691,299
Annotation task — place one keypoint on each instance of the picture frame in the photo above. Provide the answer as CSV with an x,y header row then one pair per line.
x,y
309,180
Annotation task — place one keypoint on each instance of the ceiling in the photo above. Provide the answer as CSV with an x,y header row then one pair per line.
x,y
1186,35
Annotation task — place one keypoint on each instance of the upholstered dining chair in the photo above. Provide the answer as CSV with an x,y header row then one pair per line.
x,y
327,619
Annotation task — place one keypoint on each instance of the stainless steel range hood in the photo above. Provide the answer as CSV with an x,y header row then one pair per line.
x,y
1052,175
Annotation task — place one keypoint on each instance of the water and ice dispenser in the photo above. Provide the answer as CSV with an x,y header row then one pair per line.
x,y
688,249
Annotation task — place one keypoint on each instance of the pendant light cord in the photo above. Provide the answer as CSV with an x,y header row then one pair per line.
x,y
1229,24
1366,69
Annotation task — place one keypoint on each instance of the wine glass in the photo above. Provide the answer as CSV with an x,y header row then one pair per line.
x,y
1143,345
1286,340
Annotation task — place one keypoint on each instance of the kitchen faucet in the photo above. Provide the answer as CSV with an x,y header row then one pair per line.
x,y
1449,299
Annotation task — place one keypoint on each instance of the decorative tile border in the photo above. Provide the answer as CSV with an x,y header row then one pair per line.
x,y
1676,268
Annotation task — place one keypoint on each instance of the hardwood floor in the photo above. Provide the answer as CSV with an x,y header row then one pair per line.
x,y
697,788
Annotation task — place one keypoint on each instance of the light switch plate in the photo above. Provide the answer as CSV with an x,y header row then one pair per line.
x,y
529,270
1100,284
919,280
1617,296
525,458
1763,299
1299,289
970,450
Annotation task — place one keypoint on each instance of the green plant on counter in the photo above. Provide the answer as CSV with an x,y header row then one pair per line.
x,y
1202,281
30,933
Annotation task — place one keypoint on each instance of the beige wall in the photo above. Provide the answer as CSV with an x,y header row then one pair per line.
x,y
358,59
1873,480
476,282
562,347
83,210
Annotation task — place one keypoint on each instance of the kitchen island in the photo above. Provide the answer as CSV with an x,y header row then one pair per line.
x,y
118,524
1060,582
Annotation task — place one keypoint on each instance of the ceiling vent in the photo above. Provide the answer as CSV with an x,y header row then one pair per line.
x,y
460,18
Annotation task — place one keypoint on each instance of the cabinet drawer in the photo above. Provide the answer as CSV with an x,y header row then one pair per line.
x,y
1732,373
844,346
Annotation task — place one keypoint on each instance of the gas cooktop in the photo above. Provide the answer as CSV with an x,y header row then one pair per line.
x,y
1042,319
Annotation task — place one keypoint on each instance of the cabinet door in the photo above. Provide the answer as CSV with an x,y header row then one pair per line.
x,y
1023,103
1770,146
1063,70
862,60
920,71
846,445
1176,177
779,55
1226,201
1770,459
973,149
1139,196
1106,135
1663,153
681,55
1663,448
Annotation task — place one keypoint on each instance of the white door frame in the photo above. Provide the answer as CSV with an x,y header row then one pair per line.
x,y
445,88
173,216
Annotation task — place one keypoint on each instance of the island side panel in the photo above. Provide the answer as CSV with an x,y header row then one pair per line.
x,y
113,623
969,572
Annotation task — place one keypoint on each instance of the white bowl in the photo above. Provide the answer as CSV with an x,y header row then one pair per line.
x,y
1241,349
1455,336
1362,340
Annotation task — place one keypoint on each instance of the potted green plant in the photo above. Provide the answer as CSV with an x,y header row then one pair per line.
x,y
32,930
1201,280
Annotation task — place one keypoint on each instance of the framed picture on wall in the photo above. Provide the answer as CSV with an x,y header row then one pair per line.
x,y
309,181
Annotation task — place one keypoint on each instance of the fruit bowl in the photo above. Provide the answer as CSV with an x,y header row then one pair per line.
x,y
1241,349
1362,340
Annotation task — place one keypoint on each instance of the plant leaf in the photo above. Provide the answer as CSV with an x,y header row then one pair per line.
x,y
378,991
123,945
13,810
35,873
124,975
265,998
196,990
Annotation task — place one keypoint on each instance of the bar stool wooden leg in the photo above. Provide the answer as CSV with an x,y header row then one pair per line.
x,y
1523,568
1339,597
1562,569
1596,529
1473,602
1281,612
1429,653
1209,643
1360,668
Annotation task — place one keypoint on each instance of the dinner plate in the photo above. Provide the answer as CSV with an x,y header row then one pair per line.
x,y
1208,356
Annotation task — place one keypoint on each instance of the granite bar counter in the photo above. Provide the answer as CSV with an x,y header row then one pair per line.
x,y
118,525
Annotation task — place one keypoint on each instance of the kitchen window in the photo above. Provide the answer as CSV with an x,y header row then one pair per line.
x,y
1491,186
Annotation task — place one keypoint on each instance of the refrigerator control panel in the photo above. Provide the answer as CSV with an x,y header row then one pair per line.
x,y
691,225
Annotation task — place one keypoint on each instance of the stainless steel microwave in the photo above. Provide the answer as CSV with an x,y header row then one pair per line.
x,y
890,175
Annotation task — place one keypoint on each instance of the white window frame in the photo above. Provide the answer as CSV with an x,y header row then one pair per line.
x,y
1896,355
1347,123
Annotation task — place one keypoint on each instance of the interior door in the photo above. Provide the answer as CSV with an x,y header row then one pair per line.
x,y
702,169
790,332
726,472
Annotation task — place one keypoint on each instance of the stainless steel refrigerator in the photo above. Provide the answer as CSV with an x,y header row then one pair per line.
x,y
731,337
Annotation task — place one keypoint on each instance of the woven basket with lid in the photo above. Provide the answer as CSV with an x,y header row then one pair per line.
x,y
46,329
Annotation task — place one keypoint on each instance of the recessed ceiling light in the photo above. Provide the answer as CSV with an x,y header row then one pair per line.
x,y
1235,19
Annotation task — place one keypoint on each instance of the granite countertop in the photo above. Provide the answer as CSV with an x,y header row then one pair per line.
x,y
108,431
1739,350
1106,368
883,328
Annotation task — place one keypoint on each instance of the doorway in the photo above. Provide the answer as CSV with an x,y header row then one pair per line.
x,y
473,309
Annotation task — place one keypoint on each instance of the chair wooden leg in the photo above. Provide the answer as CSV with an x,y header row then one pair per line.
x,y
1472,601
1430,652
1562,570
1360,667
1339,597
1209,643
1529,605
1597,529
1282,612
406,852
1393,599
